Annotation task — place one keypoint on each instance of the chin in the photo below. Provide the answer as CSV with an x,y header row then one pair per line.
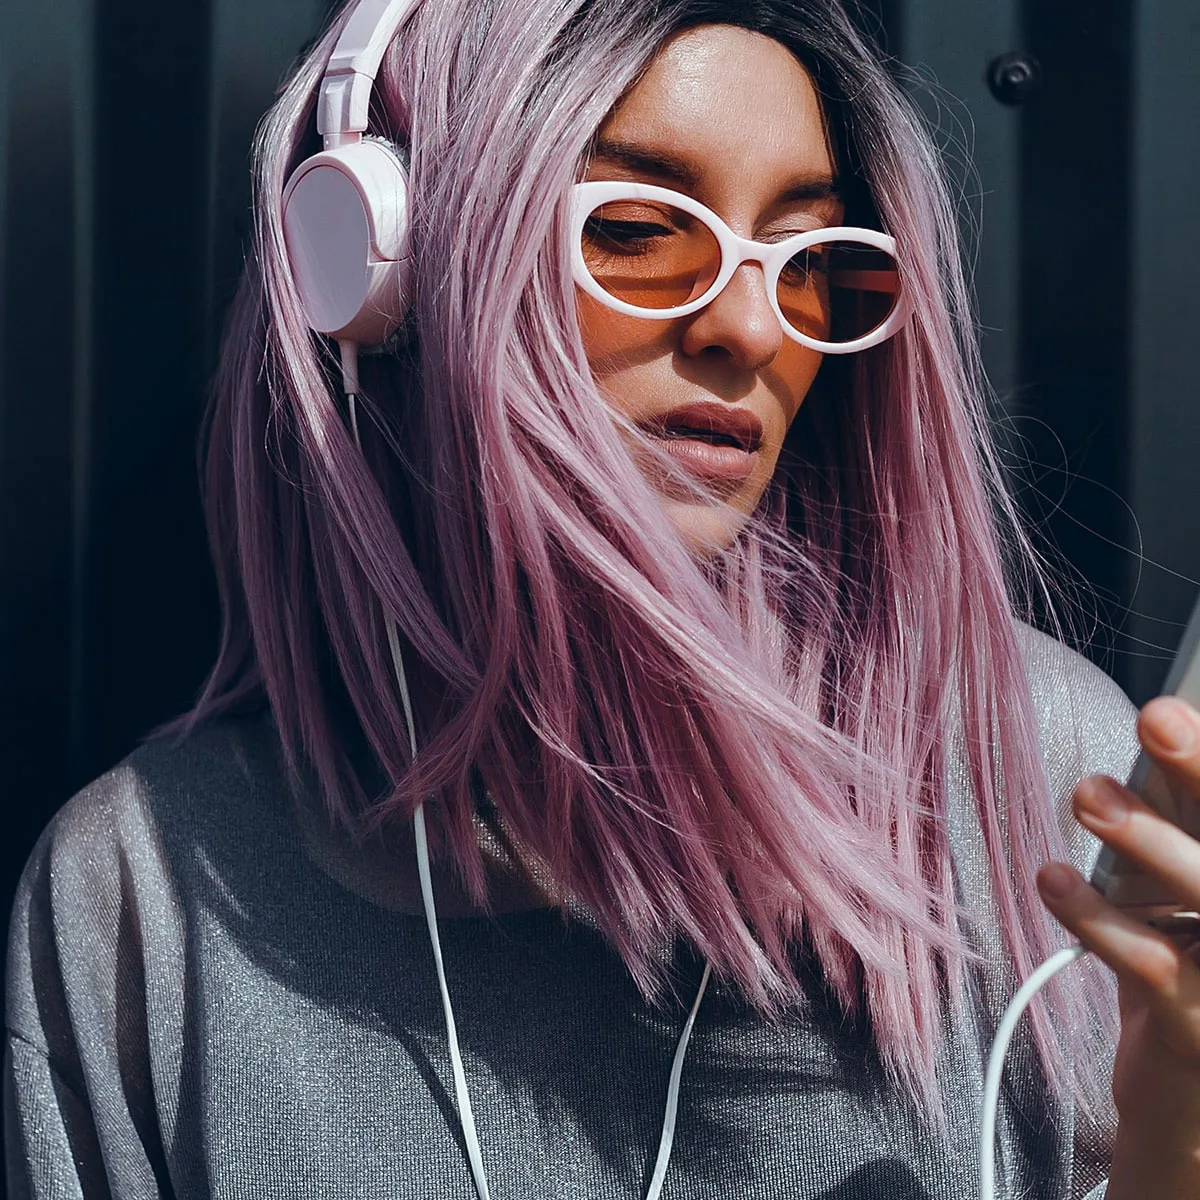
x,y
708,529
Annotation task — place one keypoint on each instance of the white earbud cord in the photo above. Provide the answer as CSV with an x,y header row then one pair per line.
x,y
462,1097
991,1082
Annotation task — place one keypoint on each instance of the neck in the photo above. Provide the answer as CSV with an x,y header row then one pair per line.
x,y
383,868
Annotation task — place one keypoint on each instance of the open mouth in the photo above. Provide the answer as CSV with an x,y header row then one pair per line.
x,y
712,442
712,436
714,424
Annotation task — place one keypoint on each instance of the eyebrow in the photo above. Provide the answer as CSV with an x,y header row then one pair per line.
x,y
819,185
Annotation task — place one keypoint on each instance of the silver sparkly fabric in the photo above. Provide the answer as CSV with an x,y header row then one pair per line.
x,y
206,999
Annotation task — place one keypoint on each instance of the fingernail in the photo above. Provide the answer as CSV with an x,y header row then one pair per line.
x,y
1170,726
1103,801
1056,881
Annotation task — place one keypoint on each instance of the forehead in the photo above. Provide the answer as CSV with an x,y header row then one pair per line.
x,y
737,107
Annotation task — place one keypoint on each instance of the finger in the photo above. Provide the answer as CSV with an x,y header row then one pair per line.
x,y
1126,823
1169,730
1142,958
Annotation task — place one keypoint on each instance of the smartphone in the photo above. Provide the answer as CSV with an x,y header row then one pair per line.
x,y
1123,883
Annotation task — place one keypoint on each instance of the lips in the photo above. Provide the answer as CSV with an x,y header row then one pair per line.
x,y
716,443
714,424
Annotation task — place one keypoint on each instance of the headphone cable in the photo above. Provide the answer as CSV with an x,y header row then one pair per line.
x,y
992,1079
461,1094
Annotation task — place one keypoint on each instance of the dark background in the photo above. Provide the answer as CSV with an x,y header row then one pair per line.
x,y
124,135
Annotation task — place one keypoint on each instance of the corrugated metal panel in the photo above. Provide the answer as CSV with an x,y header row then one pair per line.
x,y
1164,467
947,45
46,252
124,158
148,624
1074,292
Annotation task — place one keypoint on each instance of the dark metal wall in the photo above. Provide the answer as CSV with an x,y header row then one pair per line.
x,y
1083,188
124,132
1163,403
125,129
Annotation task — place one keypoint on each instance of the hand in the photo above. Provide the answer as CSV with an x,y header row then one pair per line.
x,y
1156,1079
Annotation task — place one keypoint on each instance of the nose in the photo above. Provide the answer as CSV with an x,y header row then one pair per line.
x,y
739,321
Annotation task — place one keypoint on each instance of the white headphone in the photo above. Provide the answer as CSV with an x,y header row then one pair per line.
x,y
345,210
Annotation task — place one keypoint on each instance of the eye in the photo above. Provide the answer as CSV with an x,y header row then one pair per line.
x,y
608,234
803,265
775,236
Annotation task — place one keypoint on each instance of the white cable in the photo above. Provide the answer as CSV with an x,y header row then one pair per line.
x,y
461,1095
992,1078
465,1114
668,1130
991,1083
348,353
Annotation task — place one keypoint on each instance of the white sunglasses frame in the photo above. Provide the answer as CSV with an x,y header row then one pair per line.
x,y
735,250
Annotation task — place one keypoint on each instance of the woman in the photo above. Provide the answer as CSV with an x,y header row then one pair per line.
x,y
713,666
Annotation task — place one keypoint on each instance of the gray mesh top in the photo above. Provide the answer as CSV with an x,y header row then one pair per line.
x,y
209,996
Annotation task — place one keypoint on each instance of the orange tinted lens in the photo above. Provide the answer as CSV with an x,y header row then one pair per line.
x,y
649,254
839,291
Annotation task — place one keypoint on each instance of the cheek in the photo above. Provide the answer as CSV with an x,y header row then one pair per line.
x,y
614,341
604,331
620,346
795,367
790,378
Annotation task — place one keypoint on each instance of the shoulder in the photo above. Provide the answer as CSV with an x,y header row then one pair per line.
x,y
1086,725
100,891
162,788
1081,711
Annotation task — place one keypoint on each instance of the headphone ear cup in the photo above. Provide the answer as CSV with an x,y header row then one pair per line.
x,y
345,226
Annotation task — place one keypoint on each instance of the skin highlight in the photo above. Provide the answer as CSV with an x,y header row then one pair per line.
x,y
760,158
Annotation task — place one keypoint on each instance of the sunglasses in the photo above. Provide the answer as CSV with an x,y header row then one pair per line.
x,y
651,252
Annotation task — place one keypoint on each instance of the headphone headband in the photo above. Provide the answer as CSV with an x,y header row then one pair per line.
x,y
346,86
345,210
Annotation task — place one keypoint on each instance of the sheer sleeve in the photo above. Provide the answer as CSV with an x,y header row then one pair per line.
x,y
80,1114
50,1135
1087,728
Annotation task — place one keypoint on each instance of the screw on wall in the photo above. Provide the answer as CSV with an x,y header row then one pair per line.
x,y
1014,78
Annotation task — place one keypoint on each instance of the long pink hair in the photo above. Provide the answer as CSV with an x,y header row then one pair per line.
x,y
749,754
